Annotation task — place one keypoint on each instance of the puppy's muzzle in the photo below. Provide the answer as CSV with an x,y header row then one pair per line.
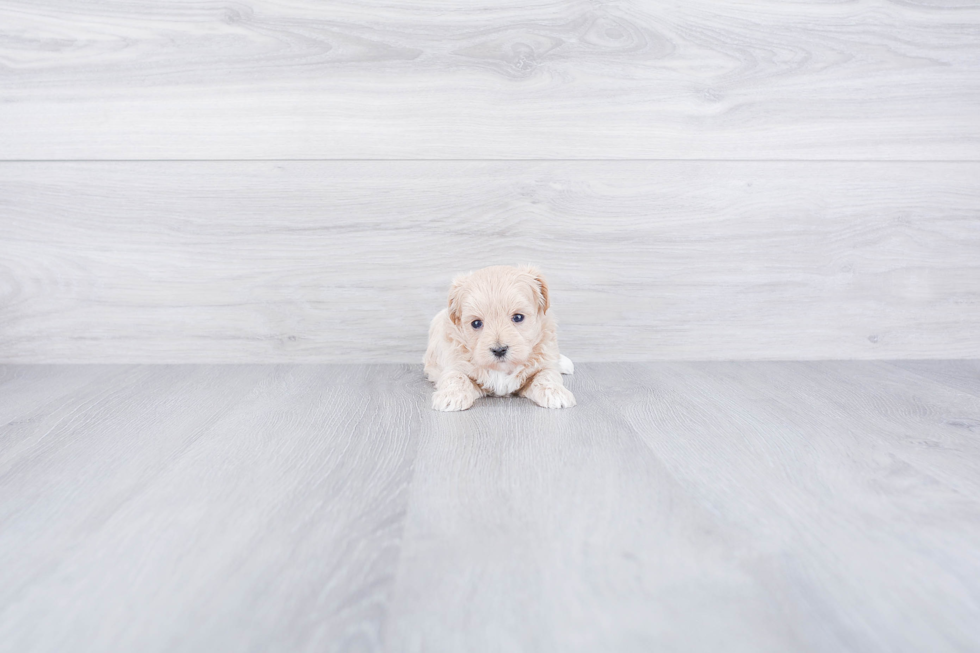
x,y
499,351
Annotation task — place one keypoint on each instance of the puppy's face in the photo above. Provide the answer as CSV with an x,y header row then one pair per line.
x,y
498,314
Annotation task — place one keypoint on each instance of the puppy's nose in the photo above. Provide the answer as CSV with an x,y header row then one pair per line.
x,y
499,351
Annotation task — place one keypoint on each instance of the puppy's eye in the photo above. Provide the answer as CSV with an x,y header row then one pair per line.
x,y
517,317
476,324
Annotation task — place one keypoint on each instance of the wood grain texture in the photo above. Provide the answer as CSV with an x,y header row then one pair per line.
x,y
206,508
755,79
26,389
699,507
749,506
348,261
962,375
533,530
814,457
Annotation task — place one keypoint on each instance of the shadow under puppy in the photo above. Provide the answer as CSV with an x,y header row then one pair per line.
x,y
496,338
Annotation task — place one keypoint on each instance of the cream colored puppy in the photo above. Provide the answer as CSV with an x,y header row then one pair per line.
x,y
496,338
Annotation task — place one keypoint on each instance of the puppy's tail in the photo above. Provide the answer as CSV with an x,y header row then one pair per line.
x,y
565,365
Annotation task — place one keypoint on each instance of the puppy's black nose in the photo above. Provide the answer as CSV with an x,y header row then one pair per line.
x,y
500,351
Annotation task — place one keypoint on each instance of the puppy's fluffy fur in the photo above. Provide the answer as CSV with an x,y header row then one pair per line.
x,y
496,338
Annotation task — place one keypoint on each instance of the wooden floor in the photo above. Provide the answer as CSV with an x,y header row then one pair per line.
x,y
680,507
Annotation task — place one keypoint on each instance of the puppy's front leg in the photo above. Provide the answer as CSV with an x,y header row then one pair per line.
x,y
547,390
455,391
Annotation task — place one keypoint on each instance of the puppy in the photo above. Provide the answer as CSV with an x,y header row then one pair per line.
x,y
496,338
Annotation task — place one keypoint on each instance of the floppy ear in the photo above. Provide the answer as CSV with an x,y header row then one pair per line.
x,y
540,287
456,298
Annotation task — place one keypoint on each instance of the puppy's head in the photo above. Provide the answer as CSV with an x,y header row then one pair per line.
x,y
499,313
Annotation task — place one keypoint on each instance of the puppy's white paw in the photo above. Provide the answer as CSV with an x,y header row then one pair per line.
x,y
548,395
565,365
452,399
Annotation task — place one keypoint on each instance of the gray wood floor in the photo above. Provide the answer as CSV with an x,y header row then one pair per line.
x,y
822,506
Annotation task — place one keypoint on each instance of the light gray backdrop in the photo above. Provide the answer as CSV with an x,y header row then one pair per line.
x,y
298,181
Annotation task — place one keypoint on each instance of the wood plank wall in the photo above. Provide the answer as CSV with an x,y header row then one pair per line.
x,y
298,181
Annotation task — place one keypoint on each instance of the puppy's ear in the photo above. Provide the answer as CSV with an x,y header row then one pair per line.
x,y
456,298
540,287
